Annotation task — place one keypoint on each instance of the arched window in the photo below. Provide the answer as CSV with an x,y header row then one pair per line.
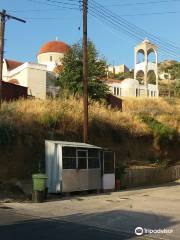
x,y
140,76
151,76
151,55
140,56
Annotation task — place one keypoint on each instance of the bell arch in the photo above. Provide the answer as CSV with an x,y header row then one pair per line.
x,y
149,63
140,56
151,77
140,76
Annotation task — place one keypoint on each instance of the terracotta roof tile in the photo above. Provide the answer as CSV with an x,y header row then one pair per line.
x,y
54,46
11,64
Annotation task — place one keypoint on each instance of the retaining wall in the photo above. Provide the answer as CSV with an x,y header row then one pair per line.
x,y
150,176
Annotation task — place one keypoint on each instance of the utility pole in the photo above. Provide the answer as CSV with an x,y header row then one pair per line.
x,y
169,78
85,72
3,18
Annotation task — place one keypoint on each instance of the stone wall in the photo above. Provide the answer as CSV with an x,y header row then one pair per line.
x,y
150,176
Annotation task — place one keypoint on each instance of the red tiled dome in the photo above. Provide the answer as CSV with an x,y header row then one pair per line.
x,y
54,46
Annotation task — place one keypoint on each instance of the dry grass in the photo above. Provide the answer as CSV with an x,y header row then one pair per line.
x,y
67,115
163,110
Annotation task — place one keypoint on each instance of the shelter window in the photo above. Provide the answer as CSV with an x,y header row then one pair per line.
x,y
69,163
69,157
82,159
114,90
108,162
93,158
50,58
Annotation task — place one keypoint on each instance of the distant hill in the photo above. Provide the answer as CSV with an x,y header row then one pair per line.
x,y
170,66
167,63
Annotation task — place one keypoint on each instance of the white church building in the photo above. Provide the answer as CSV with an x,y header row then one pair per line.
x,y
37,77
133,87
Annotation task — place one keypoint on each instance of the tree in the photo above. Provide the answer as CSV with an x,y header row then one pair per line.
x,y
71,77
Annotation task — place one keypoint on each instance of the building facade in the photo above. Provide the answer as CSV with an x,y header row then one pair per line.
x,y
118,69
132,88
38,77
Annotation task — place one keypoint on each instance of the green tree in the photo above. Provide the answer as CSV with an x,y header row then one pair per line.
x,y
71,77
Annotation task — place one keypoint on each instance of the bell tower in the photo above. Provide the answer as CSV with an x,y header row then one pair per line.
x,y
145,65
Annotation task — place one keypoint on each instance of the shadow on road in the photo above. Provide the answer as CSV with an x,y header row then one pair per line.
x,y
110,225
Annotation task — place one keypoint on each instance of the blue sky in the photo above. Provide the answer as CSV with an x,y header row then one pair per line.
x,y
23,41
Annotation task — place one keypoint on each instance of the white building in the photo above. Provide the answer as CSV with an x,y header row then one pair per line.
x,y
132,87
118,69
37,77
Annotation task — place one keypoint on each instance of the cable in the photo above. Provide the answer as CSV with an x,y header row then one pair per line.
x,y
49,4
64,3
118,23
148,14
35,10
140,3
124,15
133,28
128,33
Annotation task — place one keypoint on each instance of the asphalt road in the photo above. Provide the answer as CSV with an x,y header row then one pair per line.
x,y
15,226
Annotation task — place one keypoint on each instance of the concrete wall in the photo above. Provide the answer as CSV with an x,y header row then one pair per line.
x,y
37,82
150,176
21,76
32,76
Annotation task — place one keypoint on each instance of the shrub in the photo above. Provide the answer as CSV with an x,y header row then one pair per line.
x,y
162,133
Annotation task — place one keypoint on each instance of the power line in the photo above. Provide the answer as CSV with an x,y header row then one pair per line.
x,y
127,28
148,14
129,34
55,5
141,3
122,15
35,10
132,36
121,24
114,31
63,3
131,28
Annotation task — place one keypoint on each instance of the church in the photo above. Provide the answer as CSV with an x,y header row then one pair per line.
x,y
37,77
139,86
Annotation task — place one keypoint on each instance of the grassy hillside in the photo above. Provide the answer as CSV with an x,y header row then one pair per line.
x,y
145,131
65,116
